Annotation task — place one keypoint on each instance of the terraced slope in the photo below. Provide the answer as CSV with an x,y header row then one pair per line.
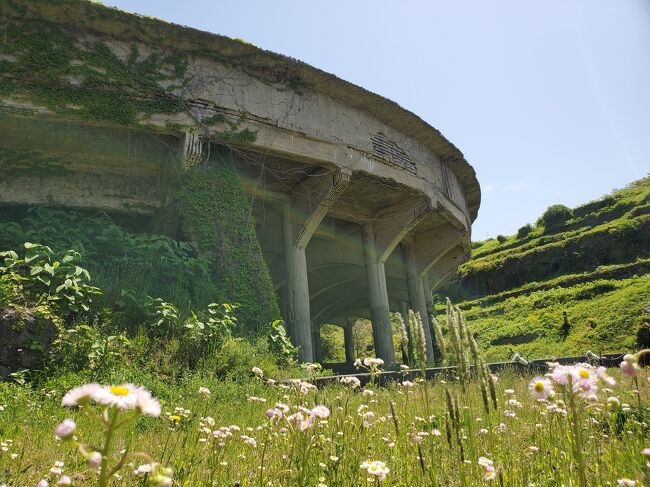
x,y
573,282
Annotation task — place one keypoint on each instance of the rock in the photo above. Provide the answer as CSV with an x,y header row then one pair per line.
x,y
24,340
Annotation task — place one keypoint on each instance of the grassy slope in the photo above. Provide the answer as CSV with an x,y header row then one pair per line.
x,y
514,293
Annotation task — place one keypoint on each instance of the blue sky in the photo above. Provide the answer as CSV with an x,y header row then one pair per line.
x,y
548,100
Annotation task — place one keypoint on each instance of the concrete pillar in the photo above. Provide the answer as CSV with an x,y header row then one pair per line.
x,y
416,295
378,297
404,311
428,295
348,339
297,287
316,343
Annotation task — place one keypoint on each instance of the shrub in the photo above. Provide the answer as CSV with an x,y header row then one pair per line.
x,y
502,238
555,216
524,231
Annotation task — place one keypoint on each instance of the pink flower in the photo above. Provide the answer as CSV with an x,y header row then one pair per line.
x,y
630,367
65,429
83,394
94,460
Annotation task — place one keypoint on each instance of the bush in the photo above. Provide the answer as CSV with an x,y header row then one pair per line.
x,y
524,231
555,216
501,238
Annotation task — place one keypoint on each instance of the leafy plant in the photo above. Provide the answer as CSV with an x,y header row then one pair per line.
x,y
57,279
280,344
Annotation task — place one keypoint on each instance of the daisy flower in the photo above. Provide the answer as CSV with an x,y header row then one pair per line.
x,y
540,388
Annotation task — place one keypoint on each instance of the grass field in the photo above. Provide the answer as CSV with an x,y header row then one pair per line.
x,y
426,434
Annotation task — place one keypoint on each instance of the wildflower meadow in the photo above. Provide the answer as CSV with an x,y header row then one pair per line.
x,y
568,425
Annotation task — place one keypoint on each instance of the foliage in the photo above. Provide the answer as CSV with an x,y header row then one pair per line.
x,y
42,276
524,231
605,316
555,216
216,214
127,266
280,344
332,343
87,348
501,238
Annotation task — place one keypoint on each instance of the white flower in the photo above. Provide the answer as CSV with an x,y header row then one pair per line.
x,y
376,468
626,482
204,392
257,371
64,480
540,388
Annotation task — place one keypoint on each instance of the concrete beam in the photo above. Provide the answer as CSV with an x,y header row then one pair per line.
x,y
378,297
314,197
390,230
428,250
447,266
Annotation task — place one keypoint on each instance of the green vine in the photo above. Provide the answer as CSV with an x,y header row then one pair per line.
x,y
215,212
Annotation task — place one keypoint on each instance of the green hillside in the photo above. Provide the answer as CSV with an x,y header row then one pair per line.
x,y
589,264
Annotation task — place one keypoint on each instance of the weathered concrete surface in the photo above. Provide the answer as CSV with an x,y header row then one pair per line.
x,y
328,160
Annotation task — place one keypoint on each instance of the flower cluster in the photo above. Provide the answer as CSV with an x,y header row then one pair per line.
x,y
376,470
350,381
306,418
302,387
489,473
582,377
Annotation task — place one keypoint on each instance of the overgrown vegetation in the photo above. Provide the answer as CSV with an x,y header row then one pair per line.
x,y
590,263
216,215
580,426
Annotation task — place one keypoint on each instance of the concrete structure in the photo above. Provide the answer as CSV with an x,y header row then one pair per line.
x,y
361,207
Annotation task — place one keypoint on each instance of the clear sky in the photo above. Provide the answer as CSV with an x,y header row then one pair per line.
x,y
549,100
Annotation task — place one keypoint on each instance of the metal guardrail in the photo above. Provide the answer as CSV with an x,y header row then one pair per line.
x,y
538,365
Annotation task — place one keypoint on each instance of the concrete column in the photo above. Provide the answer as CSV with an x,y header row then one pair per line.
x,y
428,295
297,286
348,338
316,343
378,297
416,295
404,311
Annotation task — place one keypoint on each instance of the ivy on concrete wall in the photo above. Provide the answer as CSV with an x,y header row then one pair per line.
x,y
216,214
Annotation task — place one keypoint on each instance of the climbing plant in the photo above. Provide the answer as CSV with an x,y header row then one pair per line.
x,y
216,214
